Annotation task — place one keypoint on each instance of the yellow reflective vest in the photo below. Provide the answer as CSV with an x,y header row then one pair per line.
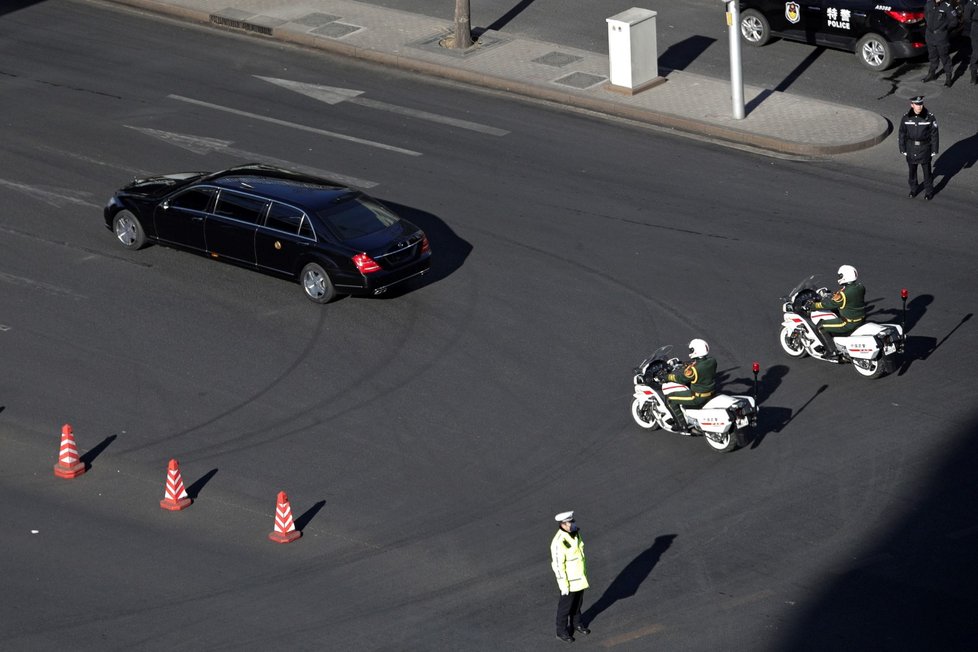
x,y
567,559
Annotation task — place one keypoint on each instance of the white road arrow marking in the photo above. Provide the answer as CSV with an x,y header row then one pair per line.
x,y
334,95
204,145
294,125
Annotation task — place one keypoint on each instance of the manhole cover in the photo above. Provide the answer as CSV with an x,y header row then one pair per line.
x,y
556,59
580,80
336,30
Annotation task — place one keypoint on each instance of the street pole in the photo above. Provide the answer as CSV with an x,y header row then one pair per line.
x,y
736,78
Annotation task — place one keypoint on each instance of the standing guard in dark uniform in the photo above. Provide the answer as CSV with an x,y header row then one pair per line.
x,y
970,19
918,141
941,19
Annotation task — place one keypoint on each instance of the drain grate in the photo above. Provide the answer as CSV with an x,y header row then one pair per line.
x,y
240,23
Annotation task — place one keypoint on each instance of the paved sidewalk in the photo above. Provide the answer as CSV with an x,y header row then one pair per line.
x,y
687,102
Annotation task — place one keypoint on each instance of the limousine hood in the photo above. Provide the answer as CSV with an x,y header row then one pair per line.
x,y
161,184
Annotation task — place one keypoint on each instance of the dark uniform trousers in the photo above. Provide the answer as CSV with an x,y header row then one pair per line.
x,y
970,20
940,20
569,611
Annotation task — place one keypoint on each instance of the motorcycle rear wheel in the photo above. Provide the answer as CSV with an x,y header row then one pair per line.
x,y
873,369
793,346
727,443
651,424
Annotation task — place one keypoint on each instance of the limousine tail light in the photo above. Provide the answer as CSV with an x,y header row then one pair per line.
x,y
906,16
365,264
425,245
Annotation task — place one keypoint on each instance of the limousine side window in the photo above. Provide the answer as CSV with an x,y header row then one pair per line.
x,y
240,207
283,218
195,199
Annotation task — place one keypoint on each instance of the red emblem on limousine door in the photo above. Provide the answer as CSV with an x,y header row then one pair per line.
x,y
792,12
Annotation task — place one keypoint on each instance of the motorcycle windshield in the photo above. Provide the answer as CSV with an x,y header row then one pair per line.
x,y
660,353
807,283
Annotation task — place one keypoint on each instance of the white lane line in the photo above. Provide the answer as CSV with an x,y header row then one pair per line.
x,y
57,198
431,117
335,95
203,145
294,125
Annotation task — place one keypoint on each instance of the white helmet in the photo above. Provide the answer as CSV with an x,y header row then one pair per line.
x,y
698,348
847,274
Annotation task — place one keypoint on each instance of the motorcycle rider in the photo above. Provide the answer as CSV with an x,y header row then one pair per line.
x,y
699,377
849,305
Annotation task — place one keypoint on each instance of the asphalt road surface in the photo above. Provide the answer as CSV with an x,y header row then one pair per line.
x,y
427,438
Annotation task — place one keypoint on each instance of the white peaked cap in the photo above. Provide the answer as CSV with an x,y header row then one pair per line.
x,y
564,516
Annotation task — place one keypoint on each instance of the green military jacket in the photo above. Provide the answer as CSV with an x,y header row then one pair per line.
x,y
699,375
849,302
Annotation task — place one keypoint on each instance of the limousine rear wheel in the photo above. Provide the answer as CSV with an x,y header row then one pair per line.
x,y
316,283
128,230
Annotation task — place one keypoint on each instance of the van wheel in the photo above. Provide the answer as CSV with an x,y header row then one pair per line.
x,y
755,28
874,52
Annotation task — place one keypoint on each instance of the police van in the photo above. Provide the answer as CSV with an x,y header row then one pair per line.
x,y
880,33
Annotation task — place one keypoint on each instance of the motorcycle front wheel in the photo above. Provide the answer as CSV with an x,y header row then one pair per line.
x,y
791,342
726,443
643,417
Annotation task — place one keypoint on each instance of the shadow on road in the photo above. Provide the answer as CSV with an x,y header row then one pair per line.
x,y
503,20
89,456
448,251
679,55
920,348
193,490
786,83
630,578
957,157
911,587
10,6
302,521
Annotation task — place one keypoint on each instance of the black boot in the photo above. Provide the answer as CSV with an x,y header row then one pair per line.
x,y
931,76
974,75
947,81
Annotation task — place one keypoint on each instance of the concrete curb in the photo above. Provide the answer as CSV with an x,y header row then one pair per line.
x,y
649,116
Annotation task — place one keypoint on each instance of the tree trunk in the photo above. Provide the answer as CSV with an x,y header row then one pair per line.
x,y
463,22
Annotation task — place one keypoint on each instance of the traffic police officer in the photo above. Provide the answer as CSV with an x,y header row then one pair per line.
x,y
699,377
570,567
970,19
941,19
848,303
918,141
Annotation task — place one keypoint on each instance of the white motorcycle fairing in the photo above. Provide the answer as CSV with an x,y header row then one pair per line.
x,y
871,348
720,420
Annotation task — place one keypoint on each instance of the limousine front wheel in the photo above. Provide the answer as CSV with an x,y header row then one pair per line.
x,y
316,284
128,230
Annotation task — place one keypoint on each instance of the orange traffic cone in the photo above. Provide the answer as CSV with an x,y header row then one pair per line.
x,y
69,465
174,495
285,531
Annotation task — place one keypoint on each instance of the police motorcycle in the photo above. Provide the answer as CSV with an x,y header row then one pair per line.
x,y
872,349
721,420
